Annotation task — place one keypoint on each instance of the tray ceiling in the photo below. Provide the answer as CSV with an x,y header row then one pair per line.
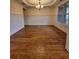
x,y
36,2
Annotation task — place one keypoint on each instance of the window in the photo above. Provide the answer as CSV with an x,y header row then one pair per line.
x,y
63,14
66,13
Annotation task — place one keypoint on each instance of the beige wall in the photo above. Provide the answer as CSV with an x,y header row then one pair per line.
x,y
54,12
67,42
36,12
16,17
15,7
34,16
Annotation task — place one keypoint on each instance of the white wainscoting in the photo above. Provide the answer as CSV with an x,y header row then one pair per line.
x,y
37,20
16,23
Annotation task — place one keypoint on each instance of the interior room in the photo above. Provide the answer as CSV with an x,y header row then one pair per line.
x,y
39,29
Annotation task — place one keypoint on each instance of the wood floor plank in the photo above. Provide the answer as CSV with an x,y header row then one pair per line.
x,y
38,42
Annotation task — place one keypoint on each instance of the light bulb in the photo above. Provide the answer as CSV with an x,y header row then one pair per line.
x,y
42,6
38,6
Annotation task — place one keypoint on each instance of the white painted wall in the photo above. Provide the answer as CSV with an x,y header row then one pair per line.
x,y
37,20
16,17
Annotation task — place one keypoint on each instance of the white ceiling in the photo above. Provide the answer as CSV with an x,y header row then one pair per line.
x,y
35,2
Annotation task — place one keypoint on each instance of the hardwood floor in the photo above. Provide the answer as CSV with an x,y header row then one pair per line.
x,y
38,42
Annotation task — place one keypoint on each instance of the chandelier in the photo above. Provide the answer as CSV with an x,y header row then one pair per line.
x,y
39,6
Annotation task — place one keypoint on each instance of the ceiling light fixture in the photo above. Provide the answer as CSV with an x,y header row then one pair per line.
x,y
39,6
